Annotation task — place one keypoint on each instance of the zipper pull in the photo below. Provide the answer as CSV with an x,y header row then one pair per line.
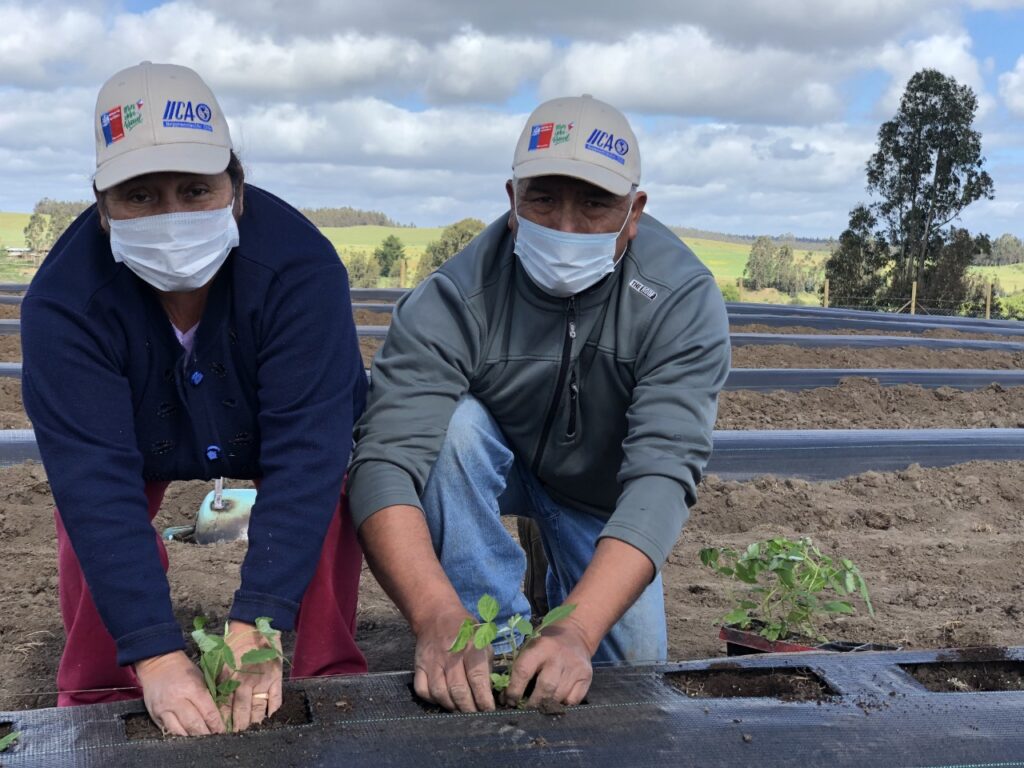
x,y
574,398
572,317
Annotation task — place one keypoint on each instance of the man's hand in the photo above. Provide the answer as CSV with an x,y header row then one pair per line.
x,y
176,696
560,661
259,693
455,681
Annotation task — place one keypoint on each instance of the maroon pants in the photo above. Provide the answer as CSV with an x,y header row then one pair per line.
x,y
325,627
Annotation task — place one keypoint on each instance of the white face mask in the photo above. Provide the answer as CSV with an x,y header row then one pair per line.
x,y
175,251
565,263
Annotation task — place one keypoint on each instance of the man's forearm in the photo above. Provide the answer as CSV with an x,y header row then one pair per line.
x,y
615,578
397,546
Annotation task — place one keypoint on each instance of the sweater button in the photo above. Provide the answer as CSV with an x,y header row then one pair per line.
x,y
213,452
196,378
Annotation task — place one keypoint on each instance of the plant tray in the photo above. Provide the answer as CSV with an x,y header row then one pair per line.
x,y
742,642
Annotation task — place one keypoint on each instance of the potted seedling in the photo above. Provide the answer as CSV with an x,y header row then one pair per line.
x,y
486,631
791,589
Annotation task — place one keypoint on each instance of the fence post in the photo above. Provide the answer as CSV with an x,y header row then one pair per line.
x,y
988,301
913,298
826,294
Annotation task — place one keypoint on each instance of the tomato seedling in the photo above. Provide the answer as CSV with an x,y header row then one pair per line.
x,y
9,739
792,586
216,658
486,631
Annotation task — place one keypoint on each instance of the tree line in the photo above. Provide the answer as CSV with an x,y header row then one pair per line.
x,y
349,217
786,238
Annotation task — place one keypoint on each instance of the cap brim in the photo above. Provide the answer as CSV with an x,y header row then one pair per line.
x,y
183,158
554,166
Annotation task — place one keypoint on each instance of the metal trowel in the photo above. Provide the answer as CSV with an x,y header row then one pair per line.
x,y
224,514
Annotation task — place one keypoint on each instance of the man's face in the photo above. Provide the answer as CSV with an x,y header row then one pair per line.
x,y
572,205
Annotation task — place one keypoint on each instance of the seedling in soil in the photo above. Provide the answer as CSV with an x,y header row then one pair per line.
x,y
791,586
486,631
9,739
216,659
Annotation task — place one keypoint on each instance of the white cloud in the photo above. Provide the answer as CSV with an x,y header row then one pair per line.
x,y
684,71
751,114
1011,88
950,53
996,5
37,44
477,67
802,24
374,132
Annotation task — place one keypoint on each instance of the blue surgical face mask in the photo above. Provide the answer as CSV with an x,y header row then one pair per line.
x,y
565,263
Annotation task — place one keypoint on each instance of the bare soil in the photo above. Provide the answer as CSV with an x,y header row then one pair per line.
x,y
938,547
855,403
721,682
862,403
789,356
294,710
933,333
10,311
969,677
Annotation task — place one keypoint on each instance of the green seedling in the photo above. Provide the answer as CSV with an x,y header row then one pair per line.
x,y
486,631
9,740
216,657
793,587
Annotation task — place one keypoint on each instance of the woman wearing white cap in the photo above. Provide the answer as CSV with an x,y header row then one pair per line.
x,y
187,327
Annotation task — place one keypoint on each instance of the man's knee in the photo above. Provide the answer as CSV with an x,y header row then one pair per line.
x,y
470,427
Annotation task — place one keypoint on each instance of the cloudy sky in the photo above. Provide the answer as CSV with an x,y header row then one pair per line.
x,y
753,116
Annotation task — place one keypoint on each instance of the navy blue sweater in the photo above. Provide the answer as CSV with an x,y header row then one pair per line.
x,y
271,390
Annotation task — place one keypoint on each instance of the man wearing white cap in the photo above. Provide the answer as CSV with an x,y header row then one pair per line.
x,y
189,326
565,366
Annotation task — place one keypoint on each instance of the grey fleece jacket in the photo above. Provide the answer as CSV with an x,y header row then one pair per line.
x,y
610,396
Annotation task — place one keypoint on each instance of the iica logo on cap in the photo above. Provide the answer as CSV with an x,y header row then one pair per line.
x,y
115,122
181,114
606,144
548,135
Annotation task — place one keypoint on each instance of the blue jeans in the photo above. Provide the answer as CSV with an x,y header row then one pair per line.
x,y
476,479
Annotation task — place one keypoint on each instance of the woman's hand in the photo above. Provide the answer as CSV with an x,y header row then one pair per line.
x,y
176,696
259,692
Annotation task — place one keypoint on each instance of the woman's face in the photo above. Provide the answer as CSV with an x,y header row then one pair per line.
x,y
166,192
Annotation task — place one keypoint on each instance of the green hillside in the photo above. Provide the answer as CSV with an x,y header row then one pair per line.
x,y
1010,276
727,260
12,229
367,238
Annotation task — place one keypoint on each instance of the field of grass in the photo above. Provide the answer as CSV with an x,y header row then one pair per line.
x,y
1010,276
12,229
14,269
366,239
727,260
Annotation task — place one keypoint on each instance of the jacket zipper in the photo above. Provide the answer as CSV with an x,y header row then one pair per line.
x,y
570,334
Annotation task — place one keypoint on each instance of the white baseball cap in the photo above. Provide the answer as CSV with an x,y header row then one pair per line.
x,y
582,137
158,117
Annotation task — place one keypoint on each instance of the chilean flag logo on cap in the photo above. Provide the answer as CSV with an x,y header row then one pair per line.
x,y
113,128
540,136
